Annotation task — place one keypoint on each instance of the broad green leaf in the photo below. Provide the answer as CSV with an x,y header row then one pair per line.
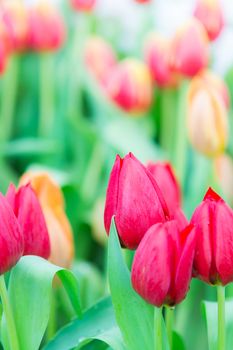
x,y
134,316
97,323
29,289
177,342
211,315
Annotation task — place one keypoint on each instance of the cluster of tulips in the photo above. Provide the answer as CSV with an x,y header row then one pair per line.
x,y
33,222
146,205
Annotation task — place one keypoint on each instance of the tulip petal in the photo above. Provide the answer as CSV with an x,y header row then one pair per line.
x,y
31,219
11,237
151,269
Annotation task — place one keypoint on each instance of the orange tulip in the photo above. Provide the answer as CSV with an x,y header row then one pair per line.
x,y
52,203
208,123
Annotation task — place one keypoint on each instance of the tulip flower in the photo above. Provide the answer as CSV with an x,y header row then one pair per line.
x,y
130,86
135,200
14,16
190,49
52,204
162,266
83,5
208,123
46,27
208,79
100,58
210,14
31,220
168,184
11,237
213,220
158,59
224,171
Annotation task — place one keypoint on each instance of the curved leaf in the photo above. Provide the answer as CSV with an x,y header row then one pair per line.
x,y
29,290
134,316
97,323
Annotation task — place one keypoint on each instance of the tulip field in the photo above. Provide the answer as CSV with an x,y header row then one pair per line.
x,y
116,175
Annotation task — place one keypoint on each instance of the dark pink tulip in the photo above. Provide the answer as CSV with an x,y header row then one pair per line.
x,y
213,219
168,184
162,266
31,219
83,5
135,199
11,237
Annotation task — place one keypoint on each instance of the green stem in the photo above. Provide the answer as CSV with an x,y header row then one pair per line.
x,y
46,120
51,329
181,133
11,329
8,98
158,335
167,120
169,314
221,318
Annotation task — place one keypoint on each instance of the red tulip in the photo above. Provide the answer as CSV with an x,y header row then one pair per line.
x,y
100,58
158,59
162,265
134,197
210,14
14,16
11,237
168,184
31,219
83,5
190,49
143,1
46,28
129,85
213,218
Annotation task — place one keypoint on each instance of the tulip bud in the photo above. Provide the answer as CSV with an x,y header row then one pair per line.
x,y
130,86
211,80
46,27
224,171
100,58
162,266
52,204
213,220
168,184
31,220
207,120
11,237
190,49
3,57
158,59
83,5
210,14
135,200
14,15
143,1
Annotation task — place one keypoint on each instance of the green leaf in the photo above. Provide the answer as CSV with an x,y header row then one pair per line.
x,y
177,341
29,289
134,316
97,323
211,315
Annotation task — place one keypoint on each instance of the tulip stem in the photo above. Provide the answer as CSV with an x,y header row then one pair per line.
x,y
46,120
158,335
221,318
11,329
181,134
169,324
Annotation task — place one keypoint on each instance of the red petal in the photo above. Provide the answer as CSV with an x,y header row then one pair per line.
x,y
151,266
11,237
